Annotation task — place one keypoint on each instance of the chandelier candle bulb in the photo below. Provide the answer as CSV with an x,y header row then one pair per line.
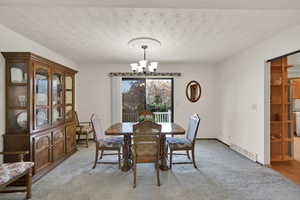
x,y
144,43
134,67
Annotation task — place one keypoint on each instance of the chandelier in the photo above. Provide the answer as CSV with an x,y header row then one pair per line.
x,y
144,66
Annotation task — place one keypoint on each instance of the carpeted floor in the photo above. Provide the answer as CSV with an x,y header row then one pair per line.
x,y
222,174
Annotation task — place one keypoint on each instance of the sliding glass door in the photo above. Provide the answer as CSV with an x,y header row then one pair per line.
x,y
153,94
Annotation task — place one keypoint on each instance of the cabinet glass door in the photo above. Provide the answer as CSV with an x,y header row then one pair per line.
x,y
69,99
41,96
57,97
17,98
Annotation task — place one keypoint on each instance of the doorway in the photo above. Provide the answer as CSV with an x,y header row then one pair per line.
x,y
285,115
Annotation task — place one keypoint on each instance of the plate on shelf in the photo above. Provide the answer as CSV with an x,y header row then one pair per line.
x,y
41,117
22,119
42,99
16,75
40,77
56,115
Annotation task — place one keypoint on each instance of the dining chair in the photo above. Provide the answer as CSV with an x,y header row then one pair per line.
x,y
104,143
146,115
83,128
146,146
185,144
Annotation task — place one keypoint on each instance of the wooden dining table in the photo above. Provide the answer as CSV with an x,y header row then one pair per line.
x,y
126,130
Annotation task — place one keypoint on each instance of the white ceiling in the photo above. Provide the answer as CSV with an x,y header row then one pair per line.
x,y
195,4
91,34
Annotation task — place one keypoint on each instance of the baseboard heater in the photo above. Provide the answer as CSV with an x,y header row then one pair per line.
x,y
243,152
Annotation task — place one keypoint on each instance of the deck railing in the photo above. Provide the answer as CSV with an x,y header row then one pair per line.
x,y
160,117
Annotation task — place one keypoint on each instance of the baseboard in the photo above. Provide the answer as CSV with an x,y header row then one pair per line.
x,y
216,139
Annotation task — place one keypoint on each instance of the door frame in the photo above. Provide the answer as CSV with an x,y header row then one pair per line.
x,y
267,108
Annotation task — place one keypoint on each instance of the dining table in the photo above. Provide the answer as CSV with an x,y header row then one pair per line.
x,y
125,129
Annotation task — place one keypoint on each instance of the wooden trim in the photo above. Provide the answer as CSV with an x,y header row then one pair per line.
x,y
285,55
28,55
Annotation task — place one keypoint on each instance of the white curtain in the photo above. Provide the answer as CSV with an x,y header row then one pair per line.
x,y
116,99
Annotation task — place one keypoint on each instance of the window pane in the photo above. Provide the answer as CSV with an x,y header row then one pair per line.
x,y
133,97
154,95
159,98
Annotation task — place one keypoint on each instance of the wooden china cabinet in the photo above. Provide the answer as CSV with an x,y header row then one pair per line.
x,y
39,110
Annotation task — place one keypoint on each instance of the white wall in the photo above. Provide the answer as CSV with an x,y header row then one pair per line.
x,y
241,99
12,41
93,93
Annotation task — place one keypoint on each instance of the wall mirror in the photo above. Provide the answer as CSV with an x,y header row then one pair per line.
x,y
193,91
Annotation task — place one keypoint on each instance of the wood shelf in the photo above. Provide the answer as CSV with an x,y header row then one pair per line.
x,y
277,139
281,85
57,105
41,107
18,107
280,129
281,121
286,103
17,84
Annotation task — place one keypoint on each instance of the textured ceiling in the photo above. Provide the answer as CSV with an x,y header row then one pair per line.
x,y
100,35
203,4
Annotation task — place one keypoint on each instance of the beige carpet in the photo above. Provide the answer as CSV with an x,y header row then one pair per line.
x,y
222,174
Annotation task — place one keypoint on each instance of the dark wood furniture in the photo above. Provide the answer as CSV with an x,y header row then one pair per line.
x,y
126,130
146,146
39,104
185,144
83,128
15,171
281,116
105,143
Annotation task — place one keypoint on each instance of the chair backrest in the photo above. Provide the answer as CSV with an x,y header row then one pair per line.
x,y
193,125
146,140
97,127
76,118
146,115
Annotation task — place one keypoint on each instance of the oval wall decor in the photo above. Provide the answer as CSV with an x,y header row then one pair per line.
x,y
193,91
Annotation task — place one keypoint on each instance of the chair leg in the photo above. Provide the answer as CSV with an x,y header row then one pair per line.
x,y
29,184
193,156
96,157
157,173
87,140
119,158
188,154
78,138
134,174
171,155
101,155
